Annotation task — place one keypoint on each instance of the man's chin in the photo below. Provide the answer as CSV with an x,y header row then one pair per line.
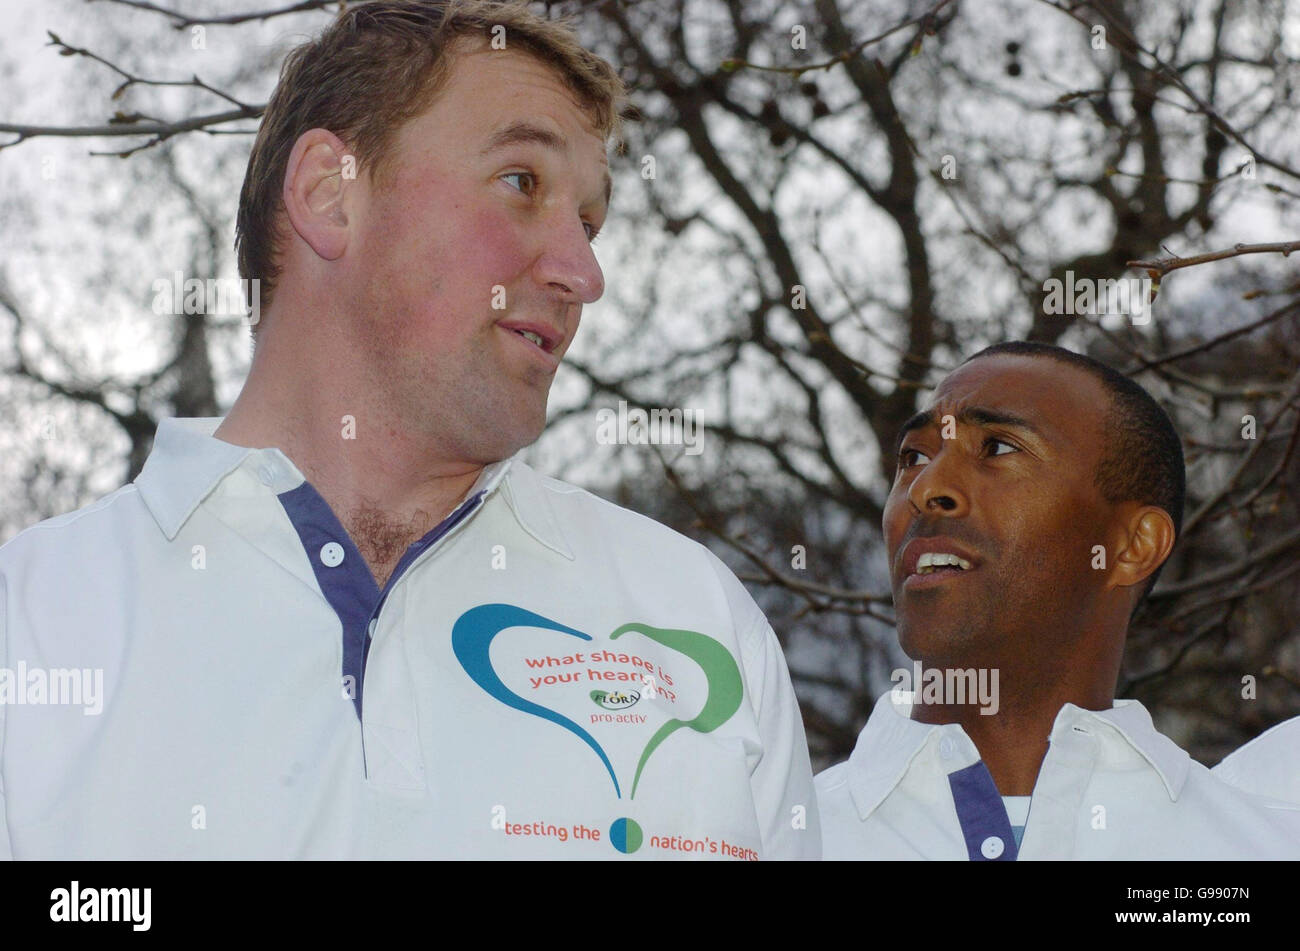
x,y
933,634
508,439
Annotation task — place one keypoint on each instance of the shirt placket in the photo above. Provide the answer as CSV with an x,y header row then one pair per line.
x,y
390,733
345,580
1063,781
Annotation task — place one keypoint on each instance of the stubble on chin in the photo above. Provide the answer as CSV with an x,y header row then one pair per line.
x,y
504,419
947,635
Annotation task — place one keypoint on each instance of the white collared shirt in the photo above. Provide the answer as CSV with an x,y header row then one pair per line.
x,y
547,676
1269,765
1110,787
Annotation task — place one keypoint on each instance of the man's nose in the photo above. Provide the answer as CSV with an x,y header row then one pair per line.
x,y
568,263
938,489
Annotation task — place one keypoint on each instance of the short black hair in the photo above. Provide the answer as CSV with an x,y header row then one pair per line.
x,y
1143,457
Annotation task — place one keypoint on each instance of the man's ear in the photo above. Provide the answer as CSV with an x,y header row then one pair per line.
x,y
314,189
1147,540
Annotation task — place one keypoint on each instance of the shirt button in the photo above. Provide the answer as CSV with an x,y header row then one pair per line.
x,y
331,554
267,475
992,847
947,747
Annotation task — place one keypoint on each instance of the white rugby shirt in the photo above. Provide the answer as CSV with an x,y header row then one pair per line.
x,y
548,676
1110,787
1269,765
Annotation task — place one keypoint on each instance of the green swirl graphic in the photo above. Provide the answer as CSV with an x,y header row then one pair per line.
x,y
725,685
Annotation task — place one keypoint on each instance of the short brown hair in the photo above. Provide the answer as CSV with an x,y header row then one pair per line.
x,y
378,66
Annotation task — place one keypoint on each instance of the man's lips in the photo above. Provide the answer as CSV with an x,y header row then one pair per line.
x,y
551,339
907,570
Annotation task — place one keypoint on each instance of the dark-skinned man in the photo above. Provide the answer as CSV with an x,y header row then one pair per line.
x,y
1034,502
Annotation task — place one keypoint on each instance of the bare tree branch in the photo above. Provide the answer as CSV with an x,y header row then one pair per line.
x,y
927,21
133,124
1159,267
183,21
1173,76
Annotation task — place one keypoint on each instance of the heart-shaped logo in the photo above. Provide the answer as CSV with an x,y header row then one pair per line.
x,y
471,640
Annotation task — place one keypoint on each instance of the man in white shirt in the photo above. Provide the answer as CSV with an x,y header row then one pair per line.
x,y
345,621
1269,765
1035,500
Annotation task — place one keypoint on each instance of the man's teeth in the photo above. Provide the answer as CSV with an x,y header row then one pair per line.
x,y
931,560
535,338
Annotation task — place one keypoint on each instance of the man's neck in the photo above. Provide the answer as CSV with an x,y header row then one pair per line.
x,y
387,486
1013,742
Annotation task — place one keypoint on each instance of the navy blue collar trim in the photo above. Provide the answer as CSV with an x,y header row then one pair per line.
x,y
982,814
347,583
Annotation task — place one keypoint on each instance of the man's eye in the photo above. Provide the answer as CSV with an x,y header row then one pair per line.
x,y
1009,447
527,181
592,231
911,457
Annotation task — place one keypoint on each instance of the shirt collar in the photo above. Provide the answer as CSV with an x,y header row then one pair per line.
x,y
1133,723
891,740
529,500
885,750
183,468
187,463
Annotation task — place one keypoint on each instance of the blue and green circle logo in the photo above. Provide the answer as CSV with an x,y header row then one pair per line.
x,y
626,835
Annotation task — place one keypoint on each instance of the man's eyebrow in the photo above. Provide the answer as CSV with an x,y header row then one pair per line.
x,y
919,421
982,416
976,415
523,132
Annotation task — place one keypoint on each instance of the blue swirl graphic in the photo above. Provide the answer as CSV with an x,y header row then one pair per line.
x,y
471,639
